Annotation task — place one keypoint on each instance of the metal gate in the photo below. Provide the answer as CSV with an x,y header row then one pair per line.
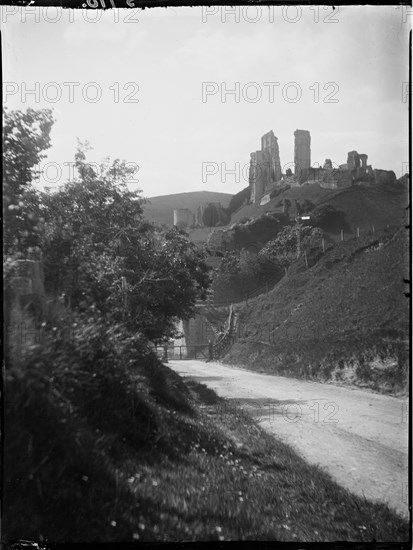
x,y
199,351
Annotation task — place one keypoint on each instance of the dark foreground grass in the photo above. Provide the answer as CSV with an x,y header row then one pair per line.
x,y
182,467
242,484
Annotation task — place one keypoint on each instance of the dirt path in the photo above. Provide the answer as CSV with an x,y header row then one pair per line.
x,y
359,437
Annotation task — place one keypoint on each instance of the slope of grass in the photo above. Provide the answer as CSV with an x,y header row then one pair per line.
x,y
311,192
345,319
364,205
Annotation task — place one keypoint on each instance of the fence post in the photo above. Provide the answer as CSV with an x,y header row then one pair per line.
x,y
342,235
323,245
358,232
180,352
305,257
373,229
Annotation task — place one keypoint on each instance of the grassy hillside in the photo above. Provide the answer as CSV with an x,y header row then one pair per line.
x,y
161,209
344,319
364,205
311,192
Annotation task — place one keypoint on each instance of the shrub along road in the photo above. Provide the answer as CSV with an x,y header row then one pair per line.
x,y
359,437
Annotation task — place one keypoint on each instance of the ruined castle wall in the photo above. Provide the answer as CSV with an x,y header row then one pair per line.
x,y
184,217
384,177
257,176
302,154
271,159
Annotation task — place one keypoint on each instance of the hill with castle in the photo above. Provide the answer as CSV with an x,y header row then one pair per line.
x,y
365,195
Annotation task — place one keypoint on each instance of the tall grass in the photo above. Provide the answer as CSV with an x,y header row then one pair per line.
x,y
77,395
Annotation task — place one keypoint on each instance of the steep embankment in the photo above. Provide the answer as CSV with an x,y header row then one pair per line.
x,y
345,319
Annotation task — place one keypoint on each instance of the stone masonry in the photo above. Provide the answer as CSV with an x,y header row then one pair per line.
x,y
302,154
265,167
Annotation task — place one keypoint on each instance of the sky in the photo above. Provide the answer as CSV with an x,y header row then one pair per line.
x,y
153,87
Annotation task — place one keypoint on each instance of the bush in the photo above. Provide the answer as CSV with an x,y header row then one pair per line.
x,y
329,218
72,406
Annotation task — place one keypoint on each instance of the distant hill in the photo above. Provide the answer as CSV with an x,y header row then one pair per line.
x,y
161,209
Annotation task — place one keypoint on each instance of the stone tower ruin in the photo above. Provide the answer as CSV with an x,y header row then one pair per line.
x,y
302,154
265,167
183,218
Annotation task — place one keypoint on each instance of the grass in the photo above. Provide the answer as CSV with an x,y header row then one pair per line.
x,y
235,482
104,443
345,319
186,465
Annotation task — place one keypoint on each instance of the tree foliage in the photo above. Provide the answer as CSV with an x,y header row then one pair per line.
x,y
285,248
328,218
101,251
98,249
26,135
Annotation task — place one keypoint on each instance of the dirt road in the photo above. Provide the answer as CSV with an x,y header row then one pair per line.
x,y
359,437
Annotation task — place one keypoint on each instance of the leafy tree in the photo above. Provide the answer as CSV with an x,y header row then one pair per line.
x,y
328,218
283,250
25,138
26,135
228,267
307,206
101,251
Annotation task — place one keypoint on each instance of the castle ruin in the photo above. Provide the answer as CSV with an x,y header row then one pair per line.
x,y
302,154
265,166
183,218
265,173
208,214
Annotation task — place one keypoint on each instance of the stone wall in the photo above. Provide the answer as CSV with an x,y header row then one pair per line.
x,y
183,217
386,177
265,167
302,154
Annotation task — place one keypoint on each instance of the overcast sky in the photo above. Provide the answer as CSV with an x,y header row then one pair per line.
x,y
342,81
